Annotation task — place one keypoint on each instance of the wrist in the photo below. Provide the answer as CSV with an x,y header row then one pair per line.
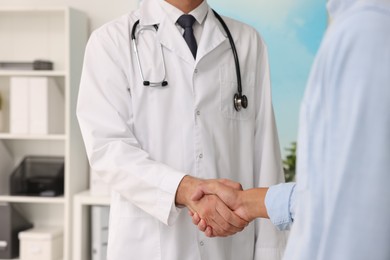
x,y
255,203
185,190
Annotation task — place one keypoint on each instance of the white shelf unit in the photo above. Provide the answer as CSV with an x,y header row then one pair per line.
x,y
58,34
81,227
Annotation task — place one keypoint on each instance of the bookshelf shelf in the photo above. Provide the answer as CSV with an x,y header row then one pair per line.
x,y
32,73
30,199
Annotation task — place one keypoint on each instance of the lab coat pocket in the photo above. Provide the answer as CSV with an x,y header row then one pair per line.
x,y
228,88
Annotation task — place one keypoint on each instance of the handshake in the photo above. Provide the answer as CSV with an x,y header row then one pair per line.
x,y
220,207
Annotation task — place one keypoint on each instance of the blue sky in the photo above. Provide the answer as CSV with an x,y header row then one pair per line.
x,y
293,30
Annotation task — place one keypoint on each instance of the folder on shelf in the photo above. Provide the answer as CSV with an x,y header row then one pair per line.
x,y
100,219
19,105
36,106
46,112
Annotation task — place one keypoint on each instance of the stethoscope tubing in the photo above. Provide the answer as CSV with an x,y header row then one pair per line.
x,y
239,100
162,83
234,50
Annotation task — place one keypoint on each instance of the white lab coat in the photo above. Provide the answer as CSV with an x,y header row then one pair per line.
x,y
342,192
143,140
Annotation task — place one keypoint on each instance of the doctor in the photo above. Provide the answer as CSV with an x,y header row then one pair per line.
x,y
160,121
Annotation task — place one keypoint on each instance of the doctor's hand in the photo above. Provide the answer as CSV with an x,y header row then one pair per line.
x,y
210,208
249,204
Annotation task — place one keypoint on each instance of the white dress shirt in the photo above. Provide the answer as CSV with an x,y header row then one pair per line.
x,y
199,13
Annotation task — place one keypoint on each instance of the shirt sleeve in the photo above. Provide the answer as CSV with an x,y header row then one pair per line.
x,y
280,204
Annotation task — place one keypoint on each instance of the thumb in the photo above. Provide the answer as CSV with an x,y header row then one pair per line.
x,y
198,194
203,189
230,183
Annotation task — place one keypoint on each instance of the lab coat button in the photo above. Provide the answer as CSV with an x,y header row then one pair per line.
x,y
198,113
196,71
201,156
201,243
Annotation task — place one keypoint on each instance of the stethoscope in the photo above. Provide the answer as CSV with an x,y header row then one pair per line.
x,y
239,100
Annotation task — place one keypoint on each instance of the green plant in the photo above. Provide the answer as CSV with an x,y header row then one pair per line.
x,y
289,162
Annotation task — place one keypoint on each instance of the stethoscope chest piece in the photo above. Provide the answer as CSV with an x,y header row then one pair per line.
x,y
240,101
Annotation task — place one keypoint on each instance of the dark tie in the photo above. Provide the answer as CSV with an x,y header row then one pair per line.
x,y
186,21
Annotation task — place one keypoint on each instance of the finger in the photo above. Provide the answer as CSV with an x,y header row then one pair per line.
x,y
218,228
209,232
190,213
231,184
198,194
227,194
205,188
224,222
214,187
235,222
213,218
196,219
202,226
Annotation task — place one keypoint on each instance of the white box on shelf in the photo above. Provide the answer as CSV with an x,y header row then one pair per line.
x,y
46,111
99,235
97,186
19,105
43,243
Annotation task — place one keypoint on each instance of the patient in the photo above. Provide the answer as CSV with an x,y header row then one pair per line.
x,y
340,207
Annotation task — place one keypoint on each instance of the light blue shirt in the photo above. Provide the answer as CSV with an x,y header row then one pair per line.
x,y
280,204
341,202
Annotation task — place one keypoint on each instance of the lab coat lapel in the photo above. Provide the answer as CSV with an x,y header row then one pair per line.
x,y
212,36
171,39
169,36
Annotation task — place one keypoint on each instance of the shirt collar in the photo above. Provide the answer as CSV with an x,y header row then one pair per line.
x,y
174,13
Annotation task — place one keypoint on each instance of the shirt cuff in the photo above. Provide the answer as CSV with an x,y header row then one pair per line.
x,y
167,196
280,204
